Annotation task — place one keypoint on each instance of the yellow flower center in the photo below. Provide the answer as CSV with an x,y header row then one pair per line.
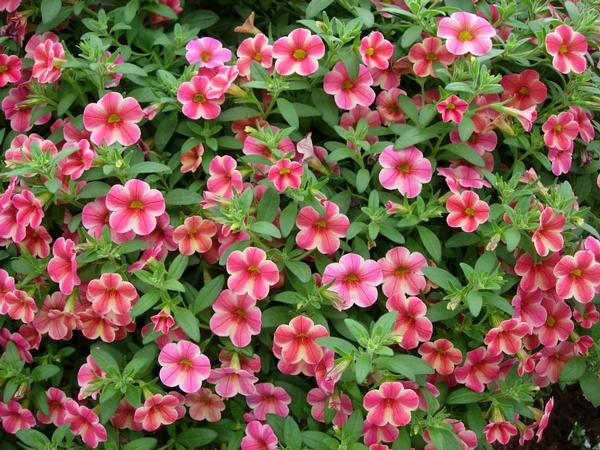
x,y
192,231
576,272
550,321
400,271
241,313
3,68
258,57
351,277
465,36
185,363
136,204
451,106
557,128
524,90
284,171
205,56
347,85
320,223
299,54
469,211
199,98
370,51
253,269
563,49
114,118
431,57
405,167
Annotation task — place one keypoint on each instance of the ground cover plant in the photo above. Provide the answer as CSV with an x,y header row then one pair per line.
x,y
314,225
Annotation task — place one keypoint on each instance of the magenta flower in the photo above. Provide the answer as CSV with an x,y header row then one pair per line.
x,y
85,423
376,51
298,340
134,207
536,275
548,238
19,306
499,431
529,309
224,177
256,49
349,92
319,400
15,417
441,355
157,410
195,96
259,437
183,365
584,120
79,161
558,324
321,232
231,381
479,369
423,56
452,109
250,272
57,402
560,131
466,33
524,90
406,170
204,405
236,317
588,317
568,49
110,294
10,69
62,268
506,338
411,322
299,52
18,111
48,57
286,173
578,276
268,399
113,119
466,211
354,280
29,209
207,52
402,272
390,404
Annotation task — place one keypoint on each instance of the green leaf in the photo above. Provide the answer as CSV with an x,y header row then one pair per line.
x,y
573,370
145,443
411,135
50,9
109,402
165,130
410,36
208,294
65,102
512,237
143,359
358,330
316,6
336,344
407,365
314,440
179,197
431,242
362,366
366,16
196,437
130,10
148,167
287,219
104,360
130,69
300,269
44,372
188,323
268,206
465,152
53,185
474,302
465,128
362,180
464,396
237,113
177,267
94,189
440,277
33,438
146,301
291,433
590,385
265,228
409,108
288,112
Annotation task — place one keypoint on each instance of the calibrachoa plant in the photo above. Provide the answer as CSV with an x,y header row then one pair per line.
x,y
335,224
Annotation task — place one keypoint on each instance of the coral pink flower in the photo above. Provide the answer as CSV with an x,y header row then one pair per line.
x,y
299,52
568,49
536,275
183,365
354,280
20,306
390,404
499,431
195,235
195,96
110,294
558,322
479,369
406,170
545,419
320,399
53,319
95,216
578,276
376,51
113,119
18,111
157,410
349,92
15,417
506,338
9,5
207,52
466,211
388,107
588,317
259,437
123,417
10,69
441,355
204,405
561,160
48,57
191,160
480,142
29,209
224,177
524,89
134,207
256,49
62,268
231,381
584,120
298,340
89,377
529,309
268,399
452,109
424,54
250,272
547,237
402,272
57,401
237,317
79,161
373,434
411,322
466,33
321,232
94,325
85,423
286,174
553,360
163,321
560,131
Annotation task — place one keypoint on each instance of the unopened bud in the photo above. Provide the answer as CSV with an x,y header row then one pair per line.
x,y
491,246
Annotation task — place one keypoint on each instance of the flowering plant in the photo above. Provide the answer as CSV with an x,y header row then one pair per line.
x,y
349,224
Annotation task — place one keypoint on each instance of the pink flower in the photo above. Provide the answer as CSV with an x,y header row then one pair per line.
x,y
388,108
561,160
110,294
224,177
373,434
354,279
20,306
536,275
452,109
584,120
183,365
259,437
195,96
15,417
466,211
134,207
191,160
79,161
524,90
548,235
499,431
163,321
89,378
29,209
553,359
85,423
250,272
9,5
568,49
321,232
231,381
48,57
298,340
195,235
268,399
53,319
18,111
406,170
320,400
113,76
349,92
237,317
578,276
256,49
411,322
560,131
299,52
402,272
376,51
10,69
423,56
62,268
588,317
113,119
157,410
57,402
506,338
479,369
390,404
529,309
441,355
207,52
286,174
466,33
204,405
